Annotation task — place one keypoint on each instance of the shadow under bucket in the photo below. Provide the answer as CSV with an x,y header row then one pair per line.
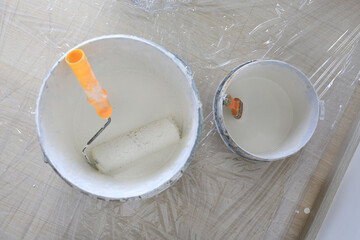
x,y
144,82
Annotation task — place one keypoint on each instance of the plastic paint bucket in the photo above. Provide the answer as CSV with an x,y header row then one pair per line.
x,y
144,83
280,110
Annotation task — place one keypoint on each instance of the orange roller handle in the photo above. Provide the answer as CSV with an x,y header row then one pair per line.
x,y
235,105
96,96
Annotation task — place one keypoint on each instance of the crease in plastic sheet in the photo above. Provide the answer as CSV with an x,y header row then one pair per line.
x,y
220,196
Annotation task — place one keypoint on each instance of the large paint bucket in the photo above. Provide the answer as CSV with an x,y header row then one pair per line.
x,y
144,82
280,110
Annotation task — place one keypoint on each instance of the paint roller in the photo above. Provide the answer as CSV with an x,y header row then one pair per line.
x,y
135,144
130,146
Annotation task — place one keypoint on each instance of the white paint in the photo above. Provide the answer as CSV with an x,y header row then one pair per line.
x,y
267,115
280,109
306,210
144,83
138,143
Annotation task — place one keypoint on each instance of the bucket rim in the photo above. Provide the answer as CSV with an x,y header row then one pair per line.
x,y
220,123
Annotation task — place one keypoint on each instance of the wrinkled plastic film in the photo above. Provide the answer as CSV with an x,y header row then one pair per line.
x,y
220,196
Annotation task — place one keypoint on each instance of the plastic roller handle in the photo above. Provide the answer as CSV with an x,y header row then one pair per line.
x,y
96,96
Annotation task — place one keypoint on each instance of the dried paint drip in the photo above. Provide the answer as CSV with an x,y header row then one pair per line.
x,y
307,210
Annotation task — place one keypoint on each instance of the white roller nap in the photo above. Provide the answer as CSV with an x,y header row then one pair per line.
x,y
135,144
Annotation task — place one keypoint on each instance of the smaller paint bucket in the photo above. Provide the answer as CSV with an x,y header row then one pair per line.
x,y
144,83
280,110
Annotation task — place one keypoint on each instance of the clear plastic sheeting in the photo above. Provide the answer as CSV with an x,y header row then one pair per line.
x,y
220,196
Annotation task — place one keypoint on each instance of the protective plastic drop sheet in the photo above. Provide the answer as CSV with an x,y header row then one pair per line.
x,y
220,196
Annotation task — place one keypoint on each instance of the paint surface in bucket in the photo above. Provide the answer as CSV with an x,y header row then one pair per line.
x,y
267,115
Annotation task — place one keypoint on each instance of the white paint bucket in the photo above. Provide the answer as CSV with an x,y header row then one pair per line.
x,y
280,110
144,82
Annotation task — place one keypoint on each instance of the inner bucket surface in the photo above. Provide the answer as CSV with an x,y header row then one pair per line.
x,y
144,83
280,110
